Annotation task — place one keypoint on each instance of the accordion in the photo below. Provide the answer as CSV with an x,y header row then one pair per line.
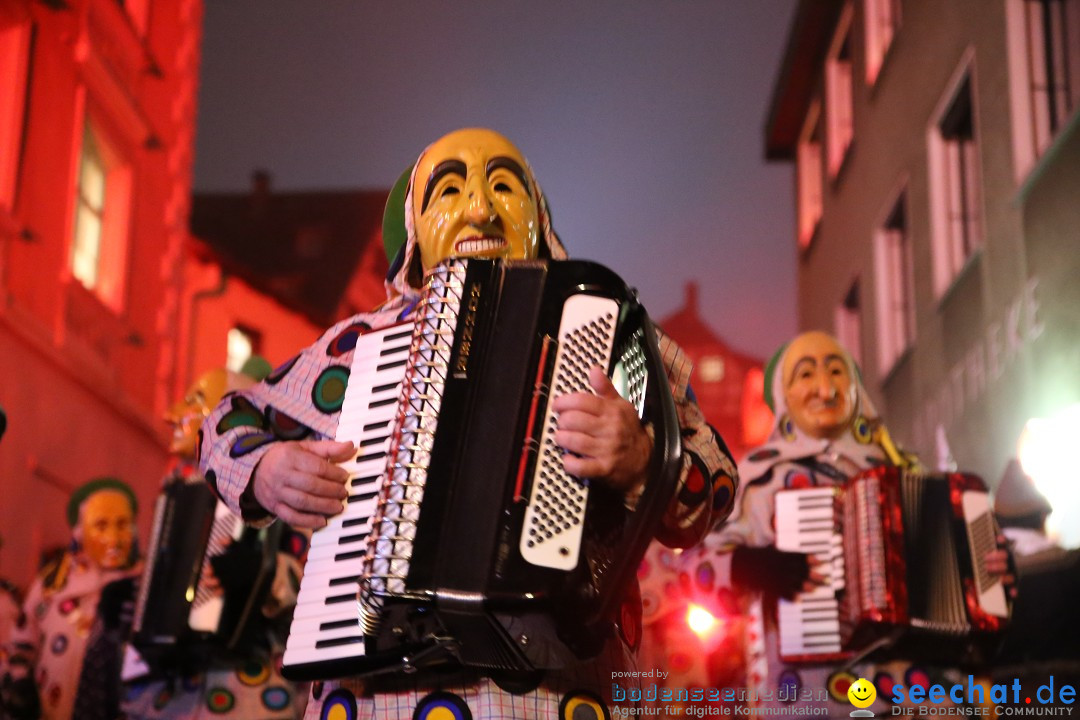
x,y
177,617
906,555
464,541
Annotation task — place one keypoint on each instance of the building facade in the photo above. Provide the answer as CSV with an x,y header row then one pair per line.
x,y
937,174
97,116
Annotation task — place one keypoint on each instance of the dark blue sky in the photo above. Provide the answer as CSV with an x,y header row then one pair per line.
x,y
642,118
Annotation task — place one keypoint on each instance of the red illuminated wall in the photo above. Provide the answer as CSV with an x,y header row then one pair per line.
x,y
86,374
214,301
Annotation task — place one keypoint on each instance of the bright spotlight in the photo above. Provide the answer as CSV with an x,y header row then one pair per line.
x,y
1045,451
701,621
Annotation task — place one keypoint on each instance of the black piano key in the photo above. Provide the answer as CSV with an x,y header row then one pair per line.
x,y
357,481
360,497
334,642
378,425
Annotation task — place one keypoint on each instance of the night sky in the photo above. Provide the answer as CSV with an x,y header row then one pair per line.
x,y
643,120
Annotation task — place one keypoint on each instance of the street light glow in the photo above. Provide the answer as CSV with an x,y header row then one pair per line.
x,y
701,621
1045,451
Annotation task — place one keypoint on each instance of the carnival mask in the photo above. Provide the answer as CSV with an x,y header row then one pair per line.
x,y
106,529
186,415
472,198
818,386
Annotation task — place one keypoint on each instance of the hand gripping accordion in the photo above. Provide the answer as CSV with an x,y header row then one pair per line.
x,y
464,540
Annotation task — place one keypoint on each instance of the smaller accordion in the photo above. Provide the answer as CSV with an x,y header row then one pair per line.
x,y
177,617
906,556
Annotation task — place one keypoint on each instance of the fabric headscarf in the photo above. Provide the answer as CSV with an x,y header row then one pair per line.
x,y
405,276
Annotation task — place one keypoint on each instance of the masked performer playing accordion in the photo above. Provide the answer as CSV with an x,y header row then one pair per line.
x,y
494,486
209,615
841,549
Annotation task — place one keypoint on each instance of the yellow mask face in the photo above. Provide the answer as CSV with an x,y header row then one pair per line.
x,y
106,529
818,387
472,198
187,414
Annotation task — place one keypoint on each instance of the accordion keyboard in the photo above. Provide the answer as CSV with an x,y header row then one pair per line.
x,y
806,523
207,606
982,539
326,621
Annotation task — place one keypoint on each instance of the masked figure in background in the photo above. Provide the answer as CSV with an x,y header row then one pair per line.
x,y
470,194
826,430
60,619
244,682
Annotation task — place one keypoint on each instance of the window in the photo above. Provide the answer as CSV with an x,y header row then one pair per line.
x,y
1044,68
711,369
895,283
809,170
882,21
955,183
15,41
848,321
240,344
89,212
102,201
839,112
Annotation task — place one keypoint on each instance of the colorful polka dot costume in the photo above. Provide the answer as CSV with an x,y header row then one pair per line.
x,y
791,459
309,390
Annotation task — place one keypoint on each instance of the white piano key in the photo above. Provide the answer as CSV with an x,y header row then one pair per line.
x,y
316,596
316,607
313,626
332,584
336,527
308,640
312,655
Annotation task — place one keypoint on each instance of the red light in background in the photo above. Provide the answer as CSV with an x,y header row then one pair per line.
x,y
702,622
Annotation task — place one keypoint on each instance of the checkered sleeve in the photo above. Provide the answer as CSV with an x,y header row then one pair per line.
x,y
299,400
708,478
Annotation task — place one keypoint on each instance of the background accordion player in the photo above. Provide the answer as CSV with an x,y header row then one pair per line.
x,y
464,540
177,617
907,568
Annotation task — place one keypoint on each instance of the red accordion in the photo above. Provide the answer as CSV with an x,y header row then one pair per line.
x,y
907,557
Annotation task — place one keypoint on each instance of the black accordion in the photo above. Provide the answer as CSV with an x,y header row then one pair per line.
x,y
908,575
178,618
464,541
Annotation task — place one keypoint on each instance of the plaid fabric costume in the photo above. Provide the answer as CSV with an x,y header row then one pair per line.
x,y
293,403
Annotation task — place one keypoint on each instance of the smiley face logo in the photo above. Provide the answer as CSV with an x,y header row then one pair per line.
x,y
862,693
